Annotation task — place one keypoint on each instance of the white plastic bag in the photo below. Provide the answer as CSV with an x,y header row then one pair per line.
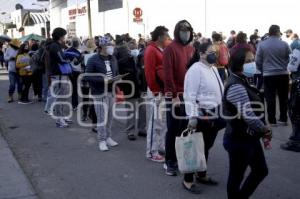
x,y
190,152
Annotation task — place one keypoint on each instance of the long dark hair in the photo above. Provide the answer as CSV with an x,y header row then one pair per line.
x,y
237,60
199,48
22,49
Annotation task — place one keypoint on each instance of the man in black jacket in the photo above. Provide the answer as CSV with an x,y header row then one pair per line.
x,y
59,83
102,68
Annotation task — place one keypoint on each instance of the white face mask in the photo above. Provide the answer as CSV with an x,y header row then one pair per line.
x,y
249,69
134,53
110,50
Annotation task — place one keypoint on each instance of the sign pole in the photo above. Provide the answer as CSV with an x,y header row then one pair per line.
x,y
89,18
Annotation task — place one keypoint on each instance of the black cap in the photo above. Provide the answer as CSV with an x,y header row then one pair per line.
x,y
274,30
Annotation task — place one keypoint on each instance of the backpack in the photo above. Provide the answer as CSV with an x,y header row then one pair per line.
x,y
223,58
36,60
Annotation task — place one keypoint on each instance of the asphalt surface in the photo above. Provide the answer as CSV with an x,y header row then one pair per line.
x,y
66,163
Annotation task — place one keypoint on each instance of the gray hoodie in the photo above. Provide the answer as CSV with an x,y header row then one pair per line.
x,y
272,57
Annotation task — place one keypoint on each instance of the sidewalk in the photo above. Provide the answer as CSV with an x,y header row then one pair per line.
x,y
13,182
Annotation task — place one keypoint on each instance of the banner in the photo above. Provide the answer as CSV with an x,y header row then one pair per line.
x,y
105,5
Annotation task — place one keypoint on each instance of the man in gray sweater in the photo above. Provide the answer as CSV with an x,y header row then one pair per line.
x,y
272,59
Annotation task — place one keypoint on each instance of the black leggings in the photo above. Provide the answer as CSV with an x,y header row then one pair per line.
x,y
209,137
241,155
26,84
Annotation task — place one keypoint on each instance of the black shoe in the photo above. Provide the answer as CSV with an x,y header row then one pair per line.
x,y
194,189
171,169
131,137
207,181
290,147
94,130
142,134
84,118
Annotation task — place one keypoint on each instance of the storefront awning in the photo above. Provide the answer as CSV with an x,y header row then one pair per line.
x,y
32,18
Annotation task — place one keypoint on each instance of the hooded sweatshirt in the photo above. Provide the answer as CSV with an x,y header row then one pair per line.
x,y
175,59
154,69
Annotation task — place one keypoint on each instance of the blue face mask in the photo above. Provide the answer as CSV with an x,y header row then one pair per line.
x,y
211,58
249,69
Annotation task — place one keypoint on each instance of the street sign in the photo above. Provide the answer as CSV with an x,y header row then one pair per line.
x,y
138,13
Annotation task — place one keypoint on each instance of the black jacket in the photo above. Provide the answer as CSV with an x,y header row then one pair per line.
x,y
55,56
96,64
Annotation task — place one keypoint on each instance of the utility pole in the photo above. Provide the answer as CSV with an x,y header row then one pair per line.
x,y
205,17
89,18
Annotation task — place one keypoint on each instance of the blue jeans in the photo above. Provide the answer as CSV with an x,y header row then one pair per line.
x,y
14,79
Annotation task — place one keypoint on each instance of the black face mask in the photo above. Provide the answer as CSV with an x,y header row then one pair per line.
x,y
211,58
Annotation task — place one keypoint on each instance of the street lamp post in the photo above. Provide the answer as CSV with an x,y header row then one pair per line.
x,y
89,18
205,17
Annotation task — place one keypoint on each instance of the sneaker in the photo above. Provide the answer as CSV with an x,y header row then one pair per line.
x,y
84,118
157,158
290,146
95,130
171,169
282,123
103,146
131,137
10,99
61,124
68,121
111,142
25,102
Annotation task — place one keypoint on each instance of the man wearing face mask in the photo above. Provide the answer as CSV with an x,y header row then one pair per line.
x,y
127,56
175,59
103,63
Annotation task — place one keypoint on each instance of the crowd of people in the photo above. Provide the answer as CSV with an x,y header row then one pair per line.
x,y
168,85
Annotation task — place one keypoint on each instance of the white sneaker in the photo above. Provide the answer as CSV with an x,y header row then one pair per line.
x,y
103,146
111,142
68,121
61,124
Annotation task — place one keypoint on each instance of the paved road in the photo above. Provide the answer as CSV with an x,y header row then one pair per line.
x,y
66,163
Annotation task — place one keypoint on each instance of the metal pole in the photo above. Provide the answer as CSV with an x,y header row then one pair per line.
x,y
89,18
128,17
205,17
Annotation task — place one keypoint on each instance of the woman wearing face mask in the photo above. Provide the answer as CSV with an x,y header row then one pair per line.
x,y
203,89
25,72
243,109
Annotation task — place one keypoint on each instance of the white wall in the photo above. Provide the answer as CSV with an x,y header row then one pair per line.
x,y
222,15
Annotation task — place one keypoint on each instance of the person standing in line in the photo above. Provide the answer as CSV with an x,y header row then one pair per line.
x,y
289,36
231,41
25,72
154,72
37,71
59,87
222,55
203,90
76,60
243,109
106,64
14,78
272,58
175,59
294,102
126,53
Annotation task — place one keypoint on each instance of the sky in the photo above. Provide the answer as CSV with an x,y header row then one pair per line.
x,y
222,15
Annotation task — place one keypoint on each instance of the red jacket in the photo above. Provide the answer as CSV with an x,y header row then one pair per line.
x,y
175,60
154,71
